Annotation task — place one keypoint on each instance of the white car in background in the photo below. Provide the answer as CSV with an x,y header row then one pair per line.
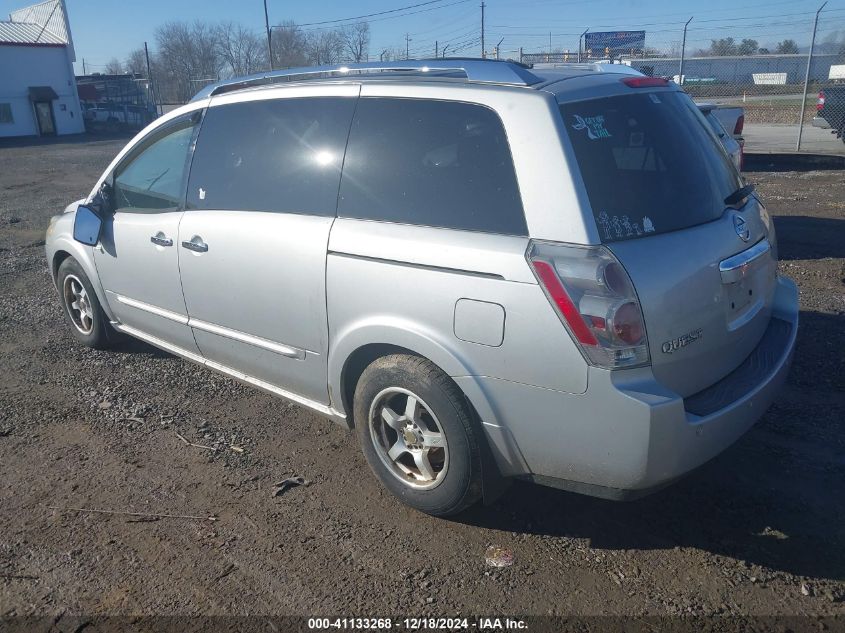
x,y
732,145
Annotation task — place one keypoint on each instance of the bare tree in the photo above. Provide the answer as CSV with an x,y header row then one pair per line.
x,y
356,41
240,49
290,46
136,63
325,47
114,67
189,57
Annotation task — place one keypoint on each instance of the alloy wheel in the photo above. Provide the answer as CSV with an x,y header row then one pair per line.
x,y
408,438
78,304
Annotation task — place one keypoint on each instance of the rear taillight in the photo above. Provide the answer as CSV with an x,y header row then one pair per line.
x,y
595,299
740,123
820,102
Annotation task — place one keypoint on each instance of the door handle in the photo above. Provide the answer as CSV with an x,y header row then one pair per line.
x,y
196,244
160,239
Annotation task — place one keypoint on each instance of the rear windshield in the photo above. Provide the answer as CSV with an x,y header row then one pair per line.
x,y
649,162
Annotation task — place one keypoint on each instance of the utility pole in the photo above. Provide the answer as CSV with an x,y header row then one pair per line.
x,y
807,77
269,35
444,50
436,51
147,55
84,72
550,46
382,54
150,77
407,47
483,53
498,46
683,52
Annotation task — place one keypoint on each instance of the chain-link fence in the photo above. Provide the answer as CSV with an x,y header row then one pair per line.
x,y
787,72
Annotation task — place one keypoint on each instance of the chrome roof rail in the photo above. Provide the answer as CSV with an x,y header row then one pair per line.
x,y
475,70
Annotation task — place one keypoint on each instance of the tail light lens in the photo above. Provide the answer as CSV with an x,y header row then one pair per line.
x,y
595,300
645,82
820,102
740,123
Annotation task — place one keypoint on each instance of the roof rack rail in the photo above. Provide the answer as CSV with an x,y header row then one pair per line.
x,y
475,70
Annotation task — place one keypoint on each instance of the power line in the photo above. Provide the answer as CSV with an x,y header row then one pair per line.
x,y
388,17
372,15
727,21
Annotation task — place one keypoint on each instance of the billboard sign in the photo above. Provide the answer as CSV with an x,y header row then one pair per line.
x,y
614,43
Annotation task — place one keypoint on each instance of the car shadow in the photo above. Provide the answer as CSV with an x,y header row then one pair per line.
x,y
776,498
86,138
126,344
792,161
805,237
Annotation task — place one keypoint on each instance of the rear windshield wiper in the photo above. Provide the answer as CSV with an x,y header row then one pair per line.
x,y
739,195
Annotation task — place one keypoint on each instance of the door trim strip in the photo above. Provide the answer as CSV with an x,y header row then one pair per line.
x,y
146,307
326,410
279,348
249,339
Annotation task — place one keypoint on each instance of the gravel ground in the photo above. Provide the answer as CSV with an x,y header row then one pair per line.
x,y
758,531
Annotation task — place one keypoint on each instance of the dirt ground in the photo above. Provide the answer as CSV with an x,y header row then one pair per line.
x,y
758,531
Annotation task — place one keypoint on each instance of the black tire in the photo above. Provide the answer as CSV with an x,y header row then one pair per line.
x,y
459,484
97,334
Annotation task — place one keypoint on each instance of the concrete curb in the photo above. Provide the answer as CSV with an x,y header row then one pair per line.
x,y
792,161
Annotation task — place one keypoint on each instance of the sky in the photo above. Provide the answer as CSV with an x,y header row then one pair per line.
x,y
106,29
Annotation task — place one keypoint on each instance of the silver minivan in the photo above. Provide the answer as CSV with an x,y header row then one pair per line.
x,y
490,272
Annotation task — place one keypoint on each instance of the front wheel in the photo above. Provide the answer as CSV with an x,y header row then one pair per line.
x,y
88,323
418,434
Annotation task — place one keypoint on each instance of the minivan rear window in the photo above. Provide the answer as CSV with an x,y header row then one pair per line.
x,y
649,163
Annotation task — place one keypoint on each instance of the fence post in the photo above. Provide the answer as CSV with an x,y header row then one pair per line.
x,y
807,78
580,37
683,53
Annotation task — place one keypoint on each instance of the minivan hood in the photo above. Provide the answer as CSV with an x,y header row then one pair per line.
x,y
73,206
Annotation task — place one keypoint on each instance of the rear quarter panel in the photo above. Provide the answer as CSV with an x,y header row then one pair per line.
x,y
399,285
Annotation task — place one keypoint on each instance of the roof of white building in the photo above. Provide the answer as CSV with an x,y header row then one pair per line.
x,y
28,33
42,24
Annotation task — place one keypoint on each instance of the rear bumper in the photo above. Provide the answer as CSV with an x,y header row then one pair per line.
x,y
821,122
628,435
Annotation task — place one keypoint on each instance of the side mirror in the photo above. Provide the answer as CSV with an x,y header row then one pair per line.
x,y
87,226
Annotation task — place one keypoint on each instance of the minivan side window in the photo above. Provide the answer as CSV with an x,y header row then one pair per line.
x,y
152,179
432,163
281,155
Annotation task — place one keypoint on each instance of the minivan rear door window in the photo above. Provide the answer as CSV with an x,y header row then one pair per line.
x,y
431,163
649,162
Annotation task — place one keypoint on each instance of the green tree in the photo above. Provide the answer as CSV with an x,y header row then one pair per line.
x,y
748,47
723,47
787,47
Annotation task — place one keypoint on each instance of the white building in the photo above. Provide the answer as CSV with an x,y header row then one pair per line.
x,y
37,86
